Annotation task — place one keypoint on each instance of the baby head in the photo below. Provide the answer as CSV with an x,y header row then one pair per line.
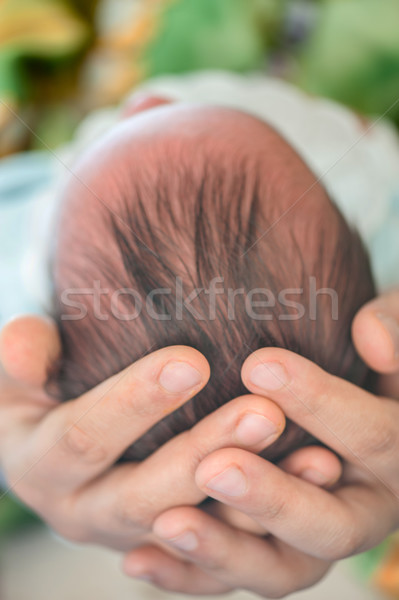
x,y
201,226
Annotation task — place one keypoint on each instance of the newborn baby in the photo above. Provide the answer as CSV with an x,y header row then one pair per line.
x,y
200,225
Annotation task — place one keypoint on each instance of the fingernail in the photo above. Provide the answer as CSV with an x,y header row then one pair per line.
x,y
253,429
392,327
313,476
269,376
230,482
179,377
187,541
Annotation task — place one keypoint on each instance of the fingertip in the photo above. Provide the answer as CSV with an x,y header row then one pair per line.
x,y
28,345
177,368
193,357
273,371
218,463
260,422
264,370
317,465
376,337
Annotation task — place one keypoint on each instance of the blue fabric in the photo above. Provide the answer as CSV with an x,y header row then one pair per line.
x,y
384,247
22,178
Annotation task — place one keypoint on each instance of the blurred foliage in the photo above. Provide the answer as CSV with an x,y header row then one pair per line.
x,y
14,515
380,567
353,55
386,576
60,59
223,34
40,40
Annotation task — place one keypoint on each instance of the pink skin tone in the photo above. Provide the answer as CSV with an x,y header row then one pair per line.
x,y
149,126
311,527
171,542
137,138
32,424
161,136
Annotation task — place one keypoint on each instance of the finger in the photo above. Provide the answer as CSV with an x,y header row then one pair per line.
x,y
131,496
294,510
170,573
314,464
88,434
375,333
28,347
236,558
356,424
233,517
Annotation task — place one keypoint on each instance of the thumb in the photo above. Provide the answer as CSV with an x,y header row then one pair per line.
x,y
375,332
28,346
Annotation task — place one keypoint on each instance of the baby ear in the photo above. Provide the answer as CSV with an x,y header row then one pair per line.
x,y
28,346
140,102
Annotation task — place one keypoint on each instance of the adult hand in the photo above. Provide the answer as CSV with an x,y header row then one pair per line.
x,y
308,527
59,459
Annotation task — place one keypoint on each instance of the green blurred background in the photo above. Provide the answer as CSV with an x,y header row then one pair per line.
x,y
60,59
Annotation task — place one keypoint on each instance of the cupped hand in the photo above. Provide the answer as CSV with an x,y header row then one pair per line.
x,y
60,459
305,528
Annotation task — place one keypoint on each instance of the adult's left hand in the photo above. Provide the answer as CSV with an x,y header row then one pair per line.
x,y
306,528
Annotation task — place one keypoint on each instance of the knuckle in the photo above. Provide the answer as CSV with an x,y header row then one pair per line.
x,y
130,403
275,509
125,518
141,400
381,440
78,443
310,405
218,560
131,514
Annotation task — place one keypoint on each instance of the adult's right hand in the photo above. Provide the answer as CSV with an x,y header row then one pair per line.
x,y
60,458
